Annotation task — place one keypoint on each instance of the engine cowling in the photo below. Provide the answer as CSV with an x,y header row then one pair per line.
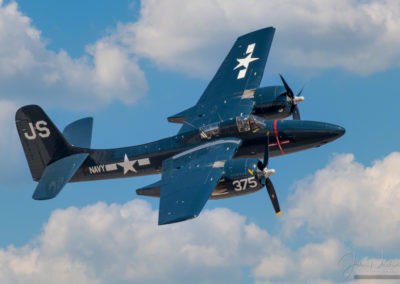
x,y
241,176
272,103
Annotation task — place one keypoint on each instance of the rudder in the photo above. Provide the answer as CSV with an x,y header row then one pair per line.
x,y
41,140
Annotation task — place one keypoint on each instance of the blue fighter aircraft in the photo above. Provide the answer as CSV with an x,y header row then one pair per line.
x,y
216,153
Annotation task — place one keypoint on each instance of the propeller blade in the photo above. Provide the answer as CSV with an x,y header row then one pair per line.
x,y
296,113
298,95
288,89
272,194
266,173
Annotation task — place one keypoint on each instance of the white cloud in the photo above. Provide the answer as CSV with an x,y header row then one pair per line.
x,y
319,262
350,201
193,36
31,73
122,244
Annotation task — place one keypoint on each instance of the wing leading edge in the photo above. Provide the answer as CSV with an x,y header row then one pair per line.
x,y
189,178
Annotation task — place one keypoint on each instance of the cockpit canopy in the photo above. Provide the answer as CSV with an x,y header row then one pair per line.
x,y
210,130
251,123
242,124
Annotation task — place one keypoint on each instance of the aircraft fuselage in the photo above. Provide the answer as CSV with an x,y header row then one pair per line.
x,y
285,137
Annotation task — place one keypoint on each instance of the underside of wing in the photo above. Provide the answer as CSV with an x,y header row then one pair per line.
x,y
189,178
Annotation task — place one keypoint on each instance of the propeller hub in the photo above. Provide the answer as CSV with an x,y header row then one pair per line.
x,y
298,99
268,172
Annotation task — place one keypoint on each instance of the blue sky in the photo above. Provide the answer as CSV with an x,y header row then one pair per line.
x,y
130,65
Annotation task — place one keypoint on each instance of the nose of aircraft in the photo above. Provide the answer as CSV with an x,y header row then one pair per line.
x,y
335,130
322,133
312,133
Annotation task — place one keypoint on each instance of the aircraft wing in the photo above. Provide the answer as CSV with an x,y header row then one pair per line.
x,y
189,178
231,91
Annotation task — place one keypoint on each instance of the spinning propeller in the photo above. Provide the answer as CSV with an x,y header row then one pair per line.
x,y
266,173
295,99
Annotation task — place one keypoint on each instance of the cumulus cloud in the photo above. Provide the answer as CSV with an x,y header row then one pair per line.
x,y
313,261
350,201
30,72
193,36
122,244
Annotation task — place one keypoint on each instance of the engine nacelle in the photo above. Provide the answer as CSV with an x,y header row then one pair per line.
x,y
240,177
272,103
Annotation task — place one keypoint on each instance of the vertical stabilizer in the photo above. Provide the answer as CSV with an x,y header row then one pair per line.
x,y
42,141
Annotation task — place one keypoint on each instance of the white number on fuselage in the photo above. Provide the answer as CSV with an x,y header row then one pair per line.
x,y
243,184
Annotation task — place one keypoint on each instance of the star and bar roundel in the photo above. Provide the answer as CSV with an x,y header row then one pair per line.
x,y
126,165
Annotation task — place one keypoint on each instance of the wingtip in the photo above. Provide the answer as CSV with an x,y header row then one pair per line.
x,y
37,196
166,221
278,213
270,30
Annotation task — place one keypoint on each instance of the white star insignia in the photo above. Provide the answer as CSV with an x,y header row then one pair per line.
x,y
128,165
245,61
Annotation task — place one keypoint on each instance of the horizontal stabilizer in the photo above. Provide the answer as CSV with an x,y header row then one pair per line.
x,y
150,190
57,175
79,133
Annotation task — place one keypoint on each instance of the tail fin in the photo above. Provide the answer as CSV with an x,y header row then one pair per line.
x,y
42,141
79,133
